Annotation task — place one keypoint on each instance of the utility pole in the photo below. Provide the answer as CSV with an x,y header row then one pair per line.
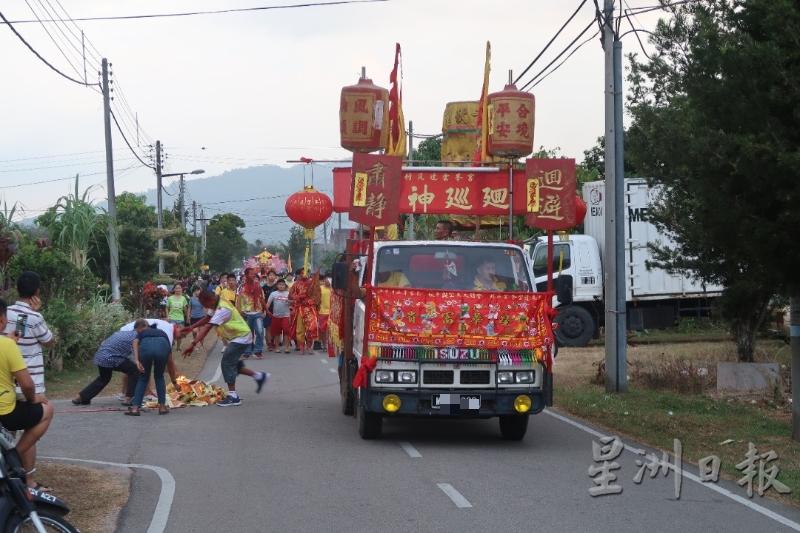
x,y
181,202
113,247
794,336
194,227
203,236
410,159
159,209
616,318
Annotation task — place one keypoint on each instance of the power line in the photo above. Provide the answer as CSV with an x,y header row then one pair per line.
x,y
17,185
56,155
213,12
553,38
581,34
70,164
113,116
42,59
540,80
635,31
55,43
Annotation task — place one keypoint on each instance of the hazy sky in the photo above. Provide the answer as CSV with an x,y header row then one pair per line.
x,y
263,87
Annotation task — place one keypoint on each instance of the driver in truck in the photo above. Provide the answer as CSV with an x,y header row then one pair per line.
x,y
391,274
486,276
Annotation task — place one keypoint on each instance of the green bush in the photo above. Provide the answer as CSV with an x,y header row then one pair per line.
x,y
80,328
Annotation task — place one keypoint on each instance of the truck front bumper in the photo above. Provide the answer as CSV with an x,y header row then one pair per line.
x,y
420,402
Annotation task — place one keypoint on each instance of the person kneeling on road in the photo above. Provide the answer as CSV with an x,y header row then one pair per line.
x,y
233,328
114,354
33,416
151,350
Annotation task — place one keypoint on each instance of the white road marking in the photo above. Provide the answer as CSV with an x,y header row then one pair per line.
x,y
688,475
161,514
410,450
460,501
333,370
323,361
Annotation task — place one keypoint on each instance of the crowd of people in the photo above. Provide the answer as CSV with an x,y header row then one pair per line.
x,y
254,313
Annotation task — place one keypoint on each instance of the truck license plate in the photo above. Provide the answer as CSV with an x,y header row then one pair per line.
x,y
463,402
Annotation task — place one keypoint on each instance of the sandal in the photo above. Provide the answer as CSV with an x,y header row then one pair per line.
x,y
163,410
132,412
79,401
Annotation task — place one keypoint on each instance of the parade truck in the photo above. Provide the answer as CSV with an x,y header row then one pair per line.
x,y
655,297
440,329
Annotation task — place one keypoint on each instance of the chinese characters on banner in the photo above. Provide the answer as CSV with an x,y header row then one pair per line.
x,y
469,319
550,188
448,191
375,189
546,194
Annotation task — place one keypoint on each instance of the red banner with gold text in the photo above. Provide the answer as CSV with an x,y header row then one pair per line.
x,y
469,319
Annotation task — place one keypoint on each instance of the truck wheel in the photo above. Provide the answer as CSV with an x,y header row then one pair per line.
x,y
575,326
513,427
369,424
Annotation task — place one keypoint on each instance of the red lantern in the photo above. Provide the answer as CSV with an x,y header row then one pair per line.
x,y
364,117
580,210
309,208
511,121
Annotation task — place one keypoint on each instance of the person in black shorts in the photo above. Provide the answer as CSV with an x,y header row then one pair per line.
x,y
33,416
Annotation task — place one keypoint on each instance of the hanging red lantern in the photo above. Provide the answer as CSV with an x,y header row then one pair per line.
x,y
511,121
308,208
364,116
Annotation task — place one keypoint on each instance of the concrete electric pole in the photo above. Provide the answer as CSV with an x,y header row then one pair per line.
x,y
113,246
794,336
181,200
615,319
159,209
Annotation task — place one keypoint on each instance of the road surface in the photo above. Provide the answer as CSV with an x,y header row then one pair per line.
x,y
288,460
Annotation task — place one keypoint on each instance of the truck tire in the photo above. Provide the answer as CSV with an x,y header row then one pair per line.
x,y
513,427
575,326
370,425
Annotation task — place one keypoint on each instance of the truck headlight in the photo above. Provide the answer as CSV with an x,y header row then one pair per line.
x,y
505,377
384,376
407,376
524,377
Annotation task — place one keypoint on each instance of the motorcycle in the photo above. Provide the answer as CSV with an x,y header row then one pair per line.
x,y
23,509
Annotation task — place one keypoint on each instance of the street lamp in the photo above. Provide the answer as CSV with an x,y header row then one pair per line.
x,y
159,177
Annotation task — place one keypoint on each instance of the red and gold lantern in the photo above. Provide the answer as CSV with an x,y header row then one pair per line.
x,y
511,121
309,208
364,117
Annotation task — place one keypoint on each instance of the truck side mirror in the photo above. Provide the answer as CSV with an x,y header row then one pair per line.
x,y
563,286
341,271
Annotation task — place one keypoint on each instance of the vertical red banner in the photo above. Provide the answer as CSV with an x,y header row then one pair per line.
x,y
375,191
550,188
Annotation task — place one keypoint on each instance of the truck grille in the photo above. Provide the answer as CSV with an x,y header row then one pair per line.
x,y
437,377
474,377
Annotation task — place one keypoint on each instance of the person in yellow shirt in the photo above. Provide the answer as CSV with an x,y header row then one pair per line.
x,y
32,416
324,310
228,292
486,277
392,279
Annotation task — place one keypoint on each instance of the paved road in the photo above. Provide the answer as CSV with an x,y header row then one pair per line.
x,y
287,460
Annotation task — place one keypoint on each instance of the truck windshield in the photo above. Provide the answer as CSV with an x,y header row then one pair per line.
x,y
482,268
561,259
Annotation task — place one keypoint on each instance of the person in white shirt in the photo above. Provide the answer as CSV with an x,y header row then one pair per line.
x,y
34,333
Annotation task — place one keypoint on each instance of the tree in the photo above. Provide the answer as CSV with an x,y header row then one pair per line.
x,y
225,244
294,247
137,259
715,120
73,224
428,152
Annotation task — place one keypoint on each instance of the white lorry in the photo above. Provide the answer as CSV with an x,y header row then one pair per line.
x,y
655,297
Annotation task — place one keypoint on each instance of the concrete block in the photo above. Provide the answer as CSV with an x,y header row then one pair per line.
x,y
747,376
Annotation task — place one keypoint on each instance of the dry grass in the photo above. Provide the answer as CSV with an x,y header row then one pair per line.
x,y
95,496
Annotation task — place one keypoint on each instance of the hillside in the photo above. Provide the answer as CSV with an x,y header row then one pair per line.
x,y
257,194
